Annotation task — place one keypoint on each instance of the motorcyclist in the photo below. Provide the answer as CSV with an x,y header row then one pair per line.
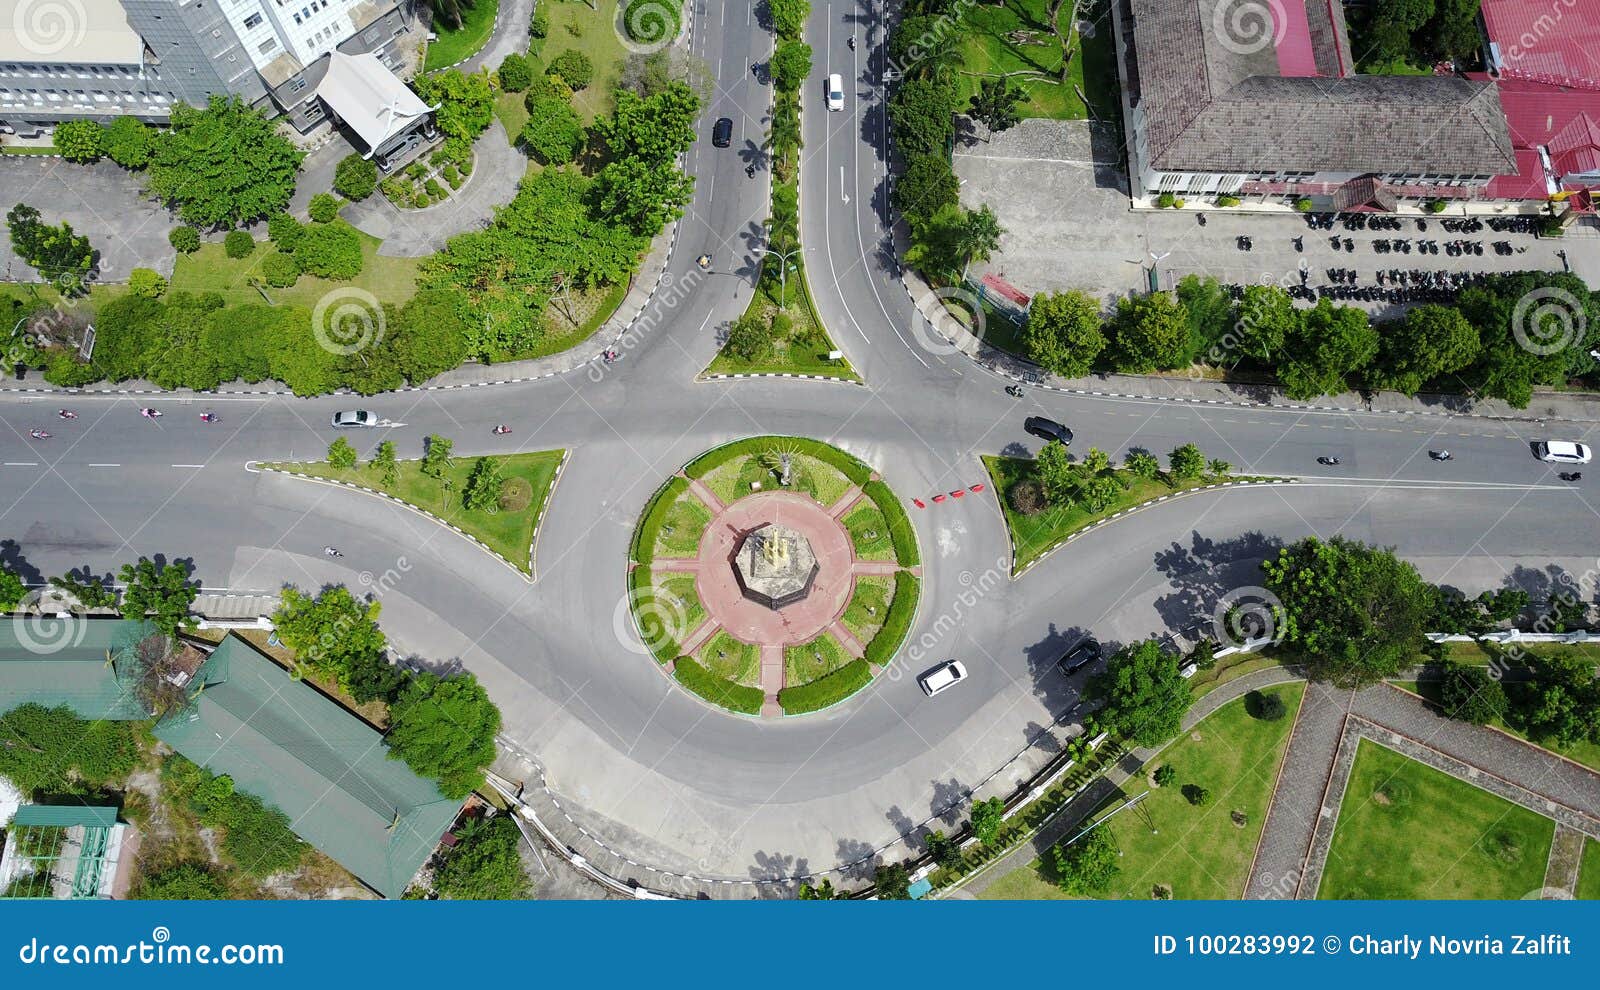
x,y
330,551
67,414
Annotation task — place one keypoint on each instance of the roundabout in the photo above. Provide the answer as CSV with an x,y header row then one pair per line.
x,y
765,579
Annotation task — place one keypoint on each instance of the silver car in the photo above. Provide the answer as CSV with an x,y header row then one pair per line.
x,y
353,418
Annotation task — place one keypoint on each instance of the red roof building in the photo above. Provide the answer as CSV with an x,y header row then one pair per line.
x,y
1542,41
1555,131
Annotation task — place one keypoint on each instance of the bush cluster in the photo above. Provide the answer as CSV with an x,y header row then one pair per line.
x,y
718,690
829,689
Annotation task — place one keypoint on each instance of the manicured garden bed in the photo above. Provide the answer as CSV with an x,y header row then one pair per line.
x,y
731,660
1439,837
718,691
508,533
804,351
807,662
868,608
826,691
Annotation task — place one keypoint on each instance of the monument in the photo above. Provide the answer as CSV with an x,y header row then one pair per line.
x,y
775,566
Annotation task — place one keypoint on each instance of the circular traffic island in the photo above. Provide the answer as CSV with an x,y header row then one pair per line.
x,y
774,576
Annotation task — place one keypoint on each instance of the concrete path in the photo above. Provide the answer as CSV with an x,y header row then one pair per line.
x,y
1561,870
510,35
773,678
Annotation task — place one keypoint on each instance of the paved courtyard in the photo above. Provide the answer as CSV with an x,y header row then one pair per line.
x,y
1075,229
102,201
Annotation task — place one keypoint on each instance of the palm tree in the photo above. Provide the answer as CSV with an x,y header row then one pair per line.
x,y
448,12
939,57
978,237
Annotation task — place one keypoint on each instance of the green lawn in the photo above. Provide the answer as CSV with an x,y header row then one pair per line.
x,y
391,280
869,532
512,109
1037,534
869,605
1015,37
1196,852
824,483
575,26
668,610
730,659
509,533
1589,872
804,352
685,523
1409,832
455,44
809,661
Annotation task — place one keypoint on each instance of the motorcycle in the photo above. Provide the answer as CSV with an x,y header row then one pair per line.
x,y
149,413
1439,455
1015,391
67,414
207,417
1328,461
1571,476
330,551
501,431
851,41
39,435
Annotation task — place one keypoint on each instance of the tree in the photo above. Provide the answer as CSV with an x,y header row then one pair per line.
x,y
238,244
789,16
383,462
790,65
129,142
1143,464
1196,795
63,257
927,186
818,892
1561,700
516,74
80,140
892,882
1145,695
335,634
1218,466
1149,332
1468,693
921,111
1064,333
323,208
1165,775
978,237
444,728
554,132
1356,613
465,100
448,12
436,459
90,593
12,589
486,864
1186,462
987,817
1430,341
1089,864
482,493
341,456
52,750
1267,318
329,250
224,165
995,104
355,178
1056,473
1453,31
163,593
749,338
641,185
574,68
185,239
943,850
146,282
1330,344
181,882
1210,310
1266,706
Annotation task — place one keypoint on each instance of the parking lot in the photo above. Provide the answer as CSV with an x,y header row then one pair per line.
x,y
1075,230
131,235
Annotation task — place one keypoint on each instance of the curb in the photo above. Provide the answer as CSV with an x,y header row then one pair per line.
x,y
1070,537
351,486
781,374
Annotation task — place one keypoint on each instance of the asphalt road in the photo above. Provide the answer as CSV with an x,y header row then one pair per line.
x,y
645,767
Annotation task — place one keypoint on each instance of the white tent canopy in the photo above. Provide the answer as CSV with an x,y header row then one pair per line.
x,y
370,99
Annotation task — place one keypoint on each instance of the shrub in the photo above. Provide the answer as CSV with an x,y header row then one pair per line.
x,y
1437,206
434,189
717,690
330,250
324,207
857,471
1196,795
1026,497
1166,201
515,73
280,269
900,531
238,244
1227,201
654,517
574,68
1264,706
185,239
355,178
129,142
1303,204
80,140
182,882
1165,775
147,283
284,231
554,133
897,622
539,26
829,689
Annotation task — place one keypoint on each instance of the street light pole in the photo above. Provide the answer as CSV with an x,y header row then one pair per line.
x,y
783,273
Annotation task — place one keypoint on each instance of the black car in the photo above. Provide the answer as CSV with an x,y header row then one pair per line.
x,y
1080,656
722,132
1048,429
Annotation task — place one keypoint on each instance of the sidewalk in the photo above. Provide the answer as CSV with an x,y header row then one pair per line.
x,y
1546,405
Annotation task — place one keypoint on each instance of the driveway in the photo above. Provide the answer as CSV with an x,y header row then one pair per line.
x,y
101,200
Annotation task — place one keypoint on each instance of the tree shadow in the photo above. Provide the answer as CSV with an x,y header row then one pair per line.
x,y
1050,685
1206,572
855,859
948,800
777,866
12,559
900,821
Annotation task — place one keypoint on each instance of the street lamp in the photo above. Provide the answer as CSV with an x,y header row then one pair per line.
x,y
783,272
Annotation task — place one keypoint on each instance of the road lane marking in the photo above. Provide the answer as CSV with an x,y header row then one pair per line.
x,y
188,465
105,465
22,464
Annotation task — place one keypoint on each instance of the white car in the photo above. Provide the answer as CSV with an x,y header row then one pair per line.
x,y
1562,451
943,677
354,417
835,92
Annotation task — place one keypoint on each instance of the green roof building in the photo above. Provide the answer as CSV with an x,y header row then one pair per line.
x,y
330,772
61,852
77,662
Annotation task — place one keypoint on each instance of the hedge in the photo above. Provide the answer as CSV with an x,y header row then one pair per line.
x,y
642,593
717,690
851,467
900,531
655,515
902,608
829,689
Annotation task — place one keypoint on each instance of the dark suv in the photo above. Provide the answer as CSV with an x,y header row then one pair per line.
x,y
1048,429
722,132
1080,656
